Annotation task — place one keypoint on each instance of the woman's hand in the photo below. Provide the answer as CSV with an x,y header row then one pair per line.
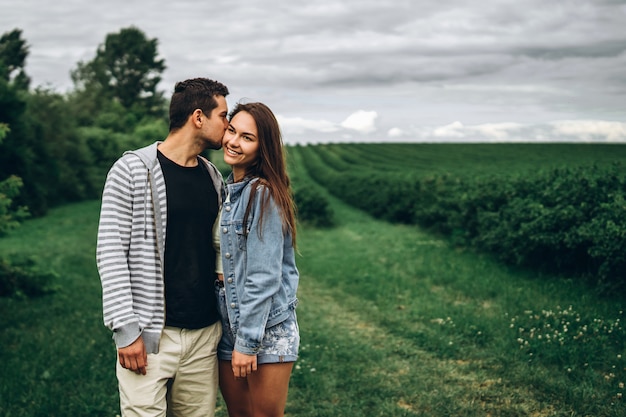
x,y
243,365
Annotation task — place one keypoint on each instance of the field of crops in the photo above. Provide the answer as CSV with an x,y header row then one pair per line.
x,y
395,320
557,208
456,159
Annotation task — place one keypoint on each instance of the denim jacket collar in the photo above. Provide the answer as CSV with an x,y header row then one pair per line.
x,y
234,189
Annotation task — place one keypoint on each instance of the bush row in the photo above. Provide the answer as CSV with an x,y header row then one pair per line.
x,y
565,221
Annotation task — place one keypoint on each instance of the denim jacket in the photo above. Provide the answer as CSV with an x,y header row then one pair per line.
x,y
260,274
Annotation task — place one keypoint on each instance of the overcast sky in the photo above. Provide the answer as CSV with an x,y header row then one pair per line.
x,y
364,70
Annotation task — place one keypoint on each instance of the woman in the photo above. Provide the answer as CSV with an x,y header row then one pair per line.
x,y
257,292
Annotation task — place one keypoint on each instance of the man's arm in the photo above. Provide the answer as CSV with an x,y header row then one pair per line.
x,y
114,231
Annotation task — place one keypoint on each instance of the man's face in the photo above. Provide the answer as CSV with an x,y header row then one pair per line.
x,y
215,124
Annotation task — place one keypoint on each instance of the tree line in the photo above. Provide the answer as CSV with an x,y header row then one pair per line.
x,y
56,148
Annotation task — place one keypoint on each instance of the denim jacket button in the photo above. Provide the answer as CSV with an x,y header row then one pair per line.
x,y
229,280
227,208
225,230
227,255
233,305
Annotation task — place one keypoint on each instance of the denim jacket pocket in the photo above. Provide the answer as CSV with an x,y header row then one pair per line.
x,y
280,313
242,235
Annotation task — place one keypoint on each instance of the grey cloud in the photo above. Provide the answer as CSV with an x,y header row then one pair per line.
x,y
608,48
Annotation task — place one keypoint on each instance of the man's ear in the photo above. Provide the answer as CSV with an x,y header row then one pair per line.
x,y
196,118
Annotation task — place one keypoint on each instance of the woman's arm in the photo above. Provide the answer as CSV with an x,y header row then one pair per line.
x,y
264,251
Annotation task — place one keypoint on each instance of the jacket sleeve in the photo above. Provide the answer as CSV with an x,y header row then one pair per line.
x,y
114,231
263,274
219,266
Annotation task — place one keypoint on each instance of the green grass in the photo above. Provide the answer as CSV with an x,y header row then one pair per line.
x,y
57,357
394,322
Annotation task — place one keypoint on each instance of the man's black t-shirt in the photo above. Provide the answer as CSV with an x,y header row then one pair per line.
x,y
192,208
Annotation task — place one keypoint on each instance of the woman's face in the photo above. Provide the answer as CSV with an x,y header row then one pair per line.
x,y
241,143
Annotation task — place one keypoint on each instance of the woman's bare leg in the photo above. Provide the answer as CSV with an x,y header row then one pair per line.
x,y
235,392
267,389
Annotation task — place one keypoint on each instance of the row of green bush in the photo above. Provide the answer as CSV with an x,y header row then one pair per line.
x,y
568,220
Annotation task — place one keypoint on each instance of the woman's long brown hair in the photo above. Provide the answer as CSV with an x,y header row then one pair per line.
x,y
270,166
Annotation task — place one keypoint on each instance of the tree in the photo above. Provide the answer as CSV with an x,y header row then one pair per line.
x,y
13,79
15,153
10,216
126,70
13,53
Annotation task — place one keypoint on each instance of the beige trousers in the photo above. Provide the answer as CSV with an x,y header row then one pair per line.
x,y
180,380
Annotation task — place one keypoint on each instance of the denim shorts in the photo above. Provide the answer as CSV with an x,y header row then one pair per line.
x,y
280,342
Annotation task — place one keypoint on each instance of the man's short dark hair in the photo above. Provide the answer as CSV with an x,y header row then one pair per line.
x,y
192,94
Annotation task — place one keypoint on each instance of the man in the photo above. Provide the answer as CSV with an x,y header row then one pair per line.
x,y
156,260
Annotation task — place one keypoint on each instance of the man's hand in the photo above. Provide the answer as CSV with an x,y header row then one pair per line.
x,y
243,365
134,357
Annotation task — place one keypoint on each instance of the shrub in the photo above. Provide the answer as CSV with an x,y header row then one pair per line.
x,y
10,216
313,209
24,277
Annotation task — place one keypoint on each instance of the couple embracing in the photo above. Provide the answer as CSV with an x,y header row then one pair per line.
x,y
199,277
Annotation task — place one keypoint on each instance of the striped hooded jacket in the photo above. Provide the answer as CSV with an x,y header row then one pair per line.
x,y
131,246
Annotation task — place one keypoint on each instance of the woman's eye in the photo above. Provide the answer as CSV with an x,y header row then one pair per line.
x,y
230,129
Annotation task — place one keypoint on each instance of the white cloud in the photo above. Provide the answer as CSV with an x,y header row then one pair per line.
x,y
588,130
297,125
453,130
395,132
557,131
362,121
496,131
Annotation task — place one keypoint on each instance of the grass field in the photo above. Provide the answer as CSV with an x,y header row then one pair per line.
x,y
394,322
